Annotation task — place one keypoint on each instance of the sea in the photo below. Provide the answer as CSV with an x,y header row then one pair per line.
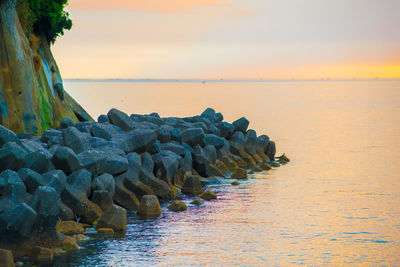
x,y
337,203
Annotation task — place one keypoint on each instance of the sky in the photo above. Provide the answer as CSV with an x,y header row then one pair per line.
x,y
199,39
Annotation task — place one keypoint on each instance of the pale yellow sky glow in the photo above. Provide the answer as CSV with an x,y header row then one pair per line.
x,y
301,39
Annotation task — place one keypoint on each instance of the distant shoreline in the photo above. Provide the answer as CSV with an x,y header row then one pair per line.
x,y
226,80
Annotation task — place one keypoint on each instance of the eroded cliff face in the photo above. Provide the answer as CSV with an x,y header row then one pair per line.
x,y
32,98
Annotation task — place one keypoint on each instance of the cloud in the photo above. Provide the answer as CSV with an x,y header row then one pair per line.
x,y
152,6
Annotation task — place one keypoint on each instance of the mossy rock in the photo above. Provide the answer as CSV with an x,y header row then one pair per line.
x,y
256,169
265,166
283,159
80,237
235,183
208,195
177,206
6,258
105,231
149,207
239,173
197,201
69,227
275,164
42,255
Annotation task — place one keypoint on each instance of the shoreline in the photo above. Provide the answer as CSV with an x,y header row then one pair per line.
x,y
89,174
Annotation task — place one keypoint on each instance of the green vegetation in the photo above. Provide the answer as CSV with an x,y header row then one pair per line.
x,y
44,17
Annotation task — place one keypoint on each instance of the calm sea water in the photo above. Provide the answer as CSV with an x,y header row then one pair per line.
x,y
336,203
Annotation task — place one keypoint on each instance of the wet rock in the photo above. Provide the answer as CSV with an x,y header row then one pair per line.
x,y
42,255
32,179
139,140
208,195
203,165
69,227
221,166
149,206
80,237
93,160
265,166
283,159
65,159
12,157
38,161
186,163
275,164
45,203
65,213
250,146
123,196
114,217
16,223
7,135
241,125
105,231
102,199
237,144
235,183
197,201
132,181
177,206
213,140
74,139
192,185
193,136
120,119
166,165
239,174
256,169
6,258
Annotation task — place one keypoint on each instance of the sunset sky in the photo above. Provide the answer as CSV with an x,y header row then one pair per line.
x,y
301,39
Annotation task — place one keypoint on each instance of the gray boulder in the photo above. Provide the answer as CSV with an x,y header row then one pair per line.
x,y
164,133
213,140
120,119
74,139
104,131
193,136
226,129
115,164
31,146
39,161
104,182
192,185
208,113
102,199
52,136
114,217
81,179
15,188
65,123
211,153
241,125
250,146
271,150
166,165
93,160
57,180
12,157
17,223
45,203
7,135
139,140
176,135
103,119
65,159
173,147
132,181
123,196
218,117
31,179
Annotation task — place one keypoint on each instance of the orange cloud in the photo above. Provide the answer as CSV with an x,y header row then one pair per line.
x,y
150,6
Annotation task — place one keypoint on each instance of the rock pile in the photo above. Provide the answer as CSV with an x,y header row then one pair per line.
x,y
93,172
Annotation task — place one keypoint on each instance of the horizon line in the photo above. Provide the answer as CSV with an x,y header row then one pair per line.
x,y
223,79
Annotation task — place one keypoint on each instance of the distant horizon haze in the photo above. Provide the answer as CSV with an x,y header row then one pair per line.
x,y
231,39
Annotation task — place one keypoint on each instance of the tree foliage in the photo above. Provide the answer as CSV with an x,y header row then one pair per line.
x,y
45,17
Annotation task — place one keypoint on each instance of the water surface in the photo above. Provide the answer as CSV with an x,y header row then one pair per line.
x,y
336,203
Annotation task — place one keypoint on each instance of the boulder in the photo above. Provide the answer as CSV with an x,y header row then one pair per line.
x,y
65,123
38,161
166,165
176,135
271,150
74,139
115,164
69,227
52,136
93,160
66,213
103,119
226,129
114,217
193,136
218,117
120,119
123,196
139,140
56,179
197,201
31,146
104,182
42,255
283,159
239,174
221,166
102,130
102,199
132,181
14,188
213,140
235,183
12,157
237,144
81,179
7,135
208,195
45,203
257,169
186,163
275,164
149,206
265,166
211,153
17,223
208,113
241,125
21,136
6,204
192,185
65,159
164,134
173,147
6,258
202,163
32,179
177,206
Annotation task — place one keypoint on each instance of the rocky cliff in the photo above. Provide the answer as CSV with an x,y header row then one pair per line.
x,y
32,97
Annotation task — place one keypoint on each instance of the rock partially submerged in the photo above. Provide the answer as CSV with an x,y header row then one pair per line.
x,y
93,172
